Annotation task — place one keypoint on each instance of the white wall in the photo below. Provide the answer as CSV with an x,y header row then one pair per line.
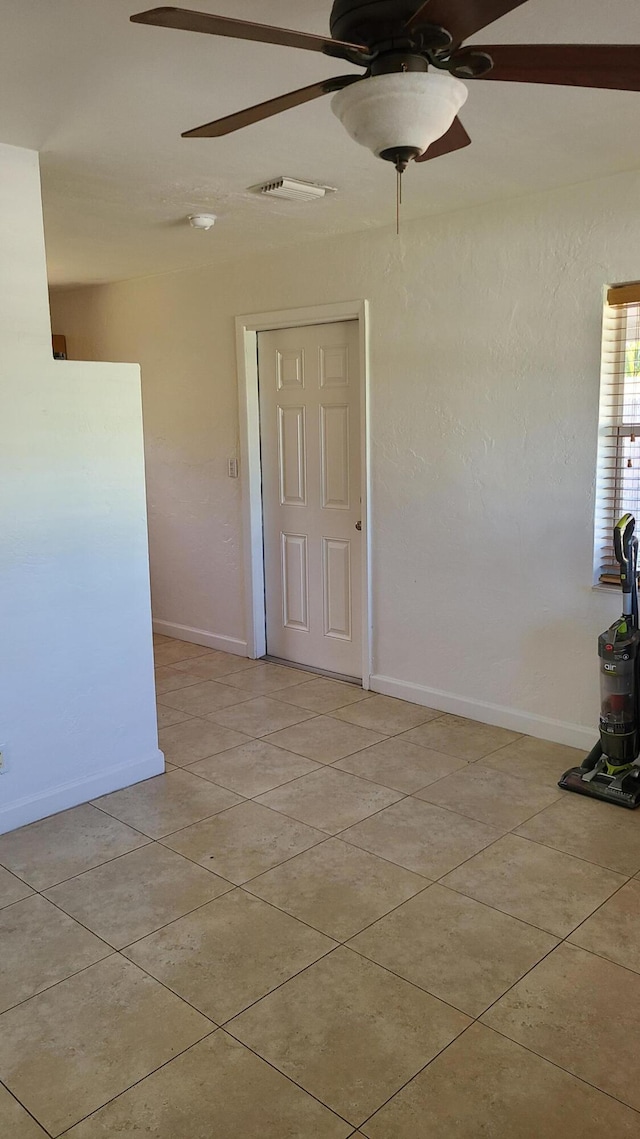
x,y
485,352
77,710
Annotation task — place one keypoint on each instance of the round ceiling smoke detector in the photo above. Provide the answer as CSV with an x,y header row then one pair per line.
x,y
202,221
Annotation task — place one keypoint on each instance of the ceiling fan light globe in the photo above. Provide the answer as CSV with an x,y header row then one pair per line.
x,y
400,110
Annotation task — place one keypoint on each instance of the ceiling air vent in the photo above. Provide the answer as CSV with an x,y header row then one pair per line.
x,y
293,190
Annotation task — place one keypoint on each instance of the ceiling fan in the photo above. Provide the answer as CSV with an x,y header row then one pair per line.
x,y
405,106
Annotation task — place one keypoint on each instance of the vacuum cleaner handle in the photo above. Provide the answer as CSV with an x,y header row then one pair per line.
x,y
623,546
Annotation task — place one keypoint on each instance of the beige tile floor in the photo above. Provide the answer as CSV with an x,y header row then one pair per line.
x,y
337,914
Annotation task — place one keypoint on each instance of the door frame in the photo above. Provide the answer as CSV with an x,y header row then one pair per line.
x,y
247,329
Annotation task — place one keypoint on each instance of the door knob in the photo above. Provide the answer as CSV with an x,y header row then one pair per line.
x,y
358,525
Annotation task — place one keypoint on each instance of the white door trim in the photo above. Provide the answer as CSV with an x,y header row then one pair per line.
x,y
247,329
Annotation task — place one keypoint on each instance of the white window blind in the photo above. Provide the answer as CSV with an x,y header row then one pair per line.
x,y
618,475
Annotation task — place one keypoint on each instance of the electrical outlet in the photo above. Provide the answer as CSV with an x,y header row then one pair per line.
x,y
3,761
233,468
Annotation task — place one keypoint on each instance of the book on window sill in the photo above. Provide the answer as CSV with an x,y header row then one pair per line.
x,y
611,579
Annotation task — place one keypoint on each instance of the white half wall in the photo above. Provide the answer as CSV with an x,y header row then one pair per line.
x,y
485,357
77,705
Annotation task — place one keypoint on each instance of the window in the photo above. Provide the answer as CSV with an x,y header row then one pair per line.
x,y
618,477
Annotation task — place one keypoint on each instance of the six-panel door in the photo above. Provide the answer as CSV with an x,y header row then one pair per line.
x,y
310,444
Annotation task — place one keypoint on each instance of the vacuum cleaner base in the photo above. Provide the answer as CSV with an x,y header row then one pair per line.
x,y
591,779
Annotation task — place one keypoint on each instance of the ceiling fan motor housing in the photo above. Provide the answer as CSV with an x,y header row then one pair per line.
x,y
371,22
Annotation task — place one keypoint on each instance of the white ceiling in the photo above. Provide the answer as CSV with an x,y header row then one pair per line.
x,y
105,101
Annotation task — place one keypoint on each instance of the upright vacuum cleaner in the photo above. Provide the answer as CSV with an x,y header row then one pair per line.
x,y
611,770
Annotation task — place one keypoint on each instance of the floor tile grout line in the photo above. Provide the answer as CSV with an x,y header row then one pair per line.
x,y
329,763
324,762
223,1026
330,711
436,997
440,880
244,699
211,717
170,834
418,1073
61,980
441,714
281,984
252,798
463,814
151,842
490,1028
592,952
562,941
114,952
291,1080
314,715
561,799
460,771
275,810
225,894
44,1129
340,945
593,914
136,1083
579,857
19,901
470,897
239,885
458,893
198,679
299,778
519,980
256,695
341,941
342,833
163,984
113,858
180,830
120,949
246,695
478,1020
559,1067
331,834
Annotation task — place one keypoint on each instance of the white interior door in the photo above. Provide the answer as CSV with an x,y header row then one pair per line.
x,y
309,384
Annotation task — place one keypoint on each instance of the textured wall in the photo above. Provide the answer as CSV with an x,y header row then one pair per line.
x,y
77,708
485,330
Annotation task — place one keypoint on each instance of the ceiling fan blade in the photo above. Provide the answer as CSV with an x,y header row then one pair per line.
x,y
188,21
456,138
462,18
615,67
250,115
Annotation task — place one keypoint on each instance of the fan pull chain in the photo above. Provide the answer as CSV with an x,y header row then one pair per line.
x,y
398,199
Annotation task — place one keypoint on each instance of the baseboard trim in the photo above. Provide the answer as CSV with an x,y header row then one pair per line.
x,y
31,808
543,728
201,637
